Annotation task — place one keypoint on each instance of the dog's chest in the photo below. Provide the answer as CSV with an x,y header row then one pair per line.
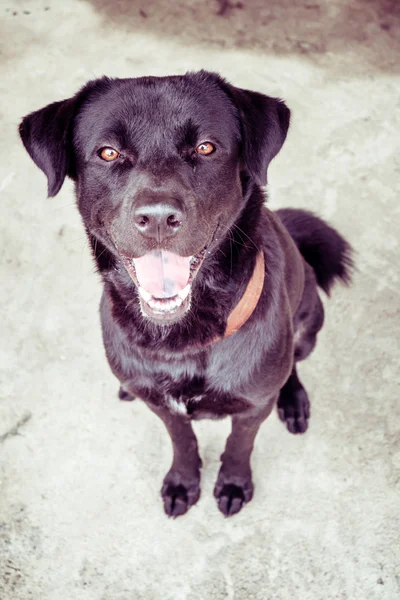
x,y
189,388
209,404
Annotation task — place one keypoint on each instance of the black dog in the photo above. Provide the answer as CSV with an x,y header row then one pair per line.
x,y
209,298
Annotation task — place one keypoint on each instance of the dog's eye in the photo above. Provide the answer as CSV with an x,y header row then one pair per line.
x,y
108,154
205,148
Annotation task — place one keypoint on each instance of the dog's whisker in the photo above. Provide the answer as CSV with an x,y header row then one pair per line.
x,y
223,253
239,230
243,244
57,208
245,234
76,240
231,257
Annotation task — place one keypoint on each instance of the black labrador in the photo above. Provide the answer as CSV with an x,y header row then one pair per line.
x,y
210,299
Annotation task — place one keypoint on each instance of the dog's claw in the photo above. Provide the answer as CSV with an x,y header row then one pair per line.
x,y
124,395
230,500
231,497
294,410
178,498
298,425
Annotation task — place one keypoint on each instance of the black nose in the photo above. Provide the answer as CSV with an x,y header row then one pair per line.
x,y
158,219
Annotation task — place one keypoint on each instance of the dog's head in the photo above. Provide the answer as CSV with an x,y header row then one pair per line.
x,y
160,165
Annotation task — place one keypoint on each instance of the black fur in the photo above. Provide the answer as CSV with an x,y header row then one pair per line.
x,y
174,364
325,250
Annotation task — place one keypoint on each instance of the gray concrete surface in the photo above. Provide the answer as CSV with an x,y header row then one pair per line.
x,y
80,512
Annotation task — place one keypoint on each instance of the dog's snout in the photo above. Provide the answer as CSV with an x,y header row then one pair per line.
x,y
158,219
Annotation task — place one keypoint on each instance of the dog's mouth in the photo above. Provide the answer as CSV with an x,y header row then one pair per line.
x,y
164,281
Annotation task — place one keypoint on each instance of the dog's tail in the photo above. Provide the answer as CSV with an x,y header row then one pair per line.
x,y
321,246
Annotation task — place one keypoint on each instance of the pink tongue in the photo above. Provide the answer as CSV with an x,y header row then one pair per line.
x,y
163,274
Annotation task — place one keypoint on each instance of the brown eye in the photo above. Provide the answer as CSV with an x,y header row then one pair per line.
x,y
108,154
205,148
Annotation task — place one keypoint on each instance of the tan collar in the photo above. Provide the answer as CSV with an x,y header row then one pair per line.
x,y
248,302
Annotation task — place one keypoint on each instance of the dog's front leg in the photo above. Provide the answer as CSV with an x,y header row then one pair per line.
x,y
234,486
181,486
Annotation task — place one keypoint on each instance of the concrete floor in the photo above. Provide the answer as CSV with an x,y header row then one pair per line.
x,y
80,514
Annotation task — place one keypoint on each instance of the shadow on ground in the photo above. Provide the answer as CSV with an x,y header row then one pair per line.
x,y
315,29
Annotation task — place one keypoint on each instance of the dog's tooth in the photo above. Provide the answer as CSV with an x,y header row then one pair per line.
x,y
161,305
185,292
144,294
164,306
152,303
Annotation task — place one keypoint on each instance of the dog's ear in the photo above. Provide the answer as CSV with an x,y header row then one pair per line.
x,y
264,126
46,135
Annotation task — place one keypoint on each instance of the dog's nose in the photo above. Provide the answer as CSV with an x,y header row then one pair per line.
x,y
158,219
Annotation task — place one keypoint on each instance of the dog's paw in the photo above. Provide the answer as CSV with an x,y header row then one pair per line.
x,y
294,410
232,493
179,493
124,395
